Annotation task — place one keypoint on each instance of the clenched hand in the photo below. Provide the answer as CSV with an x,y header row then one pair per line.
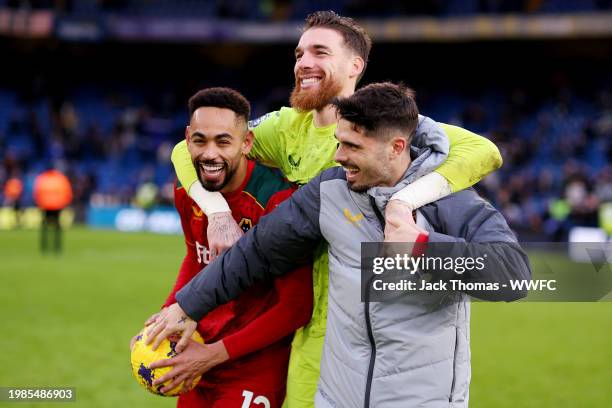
x,y
192,362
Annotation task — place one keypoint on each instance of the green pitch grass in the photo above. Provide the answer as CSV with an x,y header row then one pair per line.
x,y
67,321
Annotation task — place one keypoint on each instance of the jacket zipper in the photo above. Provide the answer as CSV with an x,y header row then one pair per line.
x,y
366,403
366,304
452,391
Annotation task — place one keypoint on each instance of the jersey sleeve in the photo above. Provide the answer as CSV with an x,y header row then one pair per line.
x,y
470,158
292,311
183,166
268,143
189,266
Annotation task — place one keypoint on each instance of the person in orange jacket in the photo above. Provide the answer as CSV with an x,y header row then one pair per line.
x,y
13,189
52,193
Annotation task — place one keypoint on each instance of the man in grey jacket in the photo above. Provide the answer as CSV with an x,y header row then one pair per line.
x,y
407,353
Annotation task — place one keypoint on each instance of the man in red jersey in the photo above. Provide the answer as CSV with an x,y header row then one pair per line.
x,y
244,360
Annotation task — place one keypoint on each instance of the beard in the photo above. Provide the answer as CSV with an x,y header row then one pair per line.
x,y
314,99
358,188
216,185
370,176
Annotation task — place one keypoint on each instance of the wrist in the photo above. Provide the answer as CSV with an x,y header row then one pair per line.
x,y
404,204
427,189
209,202
219,215
220,352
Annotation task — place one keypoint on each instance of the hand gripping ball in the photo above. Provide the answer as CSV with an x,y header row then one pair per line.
x,y
142,357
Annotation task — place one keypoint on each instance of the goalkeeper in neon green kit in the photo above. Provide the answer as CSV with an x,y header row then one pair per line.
x,y
331,57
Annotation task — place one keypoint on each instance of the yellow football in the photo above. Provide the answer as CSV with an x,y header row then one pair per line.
x,y
142,357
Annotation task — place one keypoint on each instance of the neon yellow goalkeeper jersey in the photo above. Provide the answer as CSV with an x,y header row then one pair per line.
x,y
287,139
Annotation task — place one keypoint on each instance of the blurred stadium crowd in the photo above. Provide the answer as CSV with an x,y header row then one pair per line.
x,y
114,140
283,10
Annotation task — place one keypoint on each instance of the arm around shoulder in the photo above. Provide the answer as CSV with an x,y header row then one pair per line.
x,y
471,157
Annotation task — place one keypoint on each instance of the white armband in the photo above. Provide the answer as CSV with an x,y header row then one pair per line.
x,y
427,189
210,202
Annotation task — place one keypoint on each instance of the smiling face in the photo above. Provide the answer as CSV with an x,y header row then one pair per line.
x,y
218,142
325,68
367,161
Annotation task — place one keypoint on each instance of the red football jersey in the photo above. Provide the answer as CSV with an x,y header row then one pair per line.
x,y
256,328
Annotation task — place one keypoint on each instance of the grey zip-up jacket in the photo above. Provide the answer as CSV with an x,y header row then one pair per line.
x,y
413,353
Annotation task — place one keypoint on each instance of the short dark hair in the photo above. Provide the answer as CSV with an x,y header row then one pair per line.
x,y
355,36
219,97
381,106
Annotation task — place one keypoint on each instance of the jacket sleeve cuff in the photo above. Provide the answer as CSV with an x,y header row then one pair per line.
x,y
190,308
420,244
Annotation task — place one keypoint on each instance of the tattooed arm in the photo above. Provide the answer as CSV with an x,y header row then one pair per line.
x,y
223,230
